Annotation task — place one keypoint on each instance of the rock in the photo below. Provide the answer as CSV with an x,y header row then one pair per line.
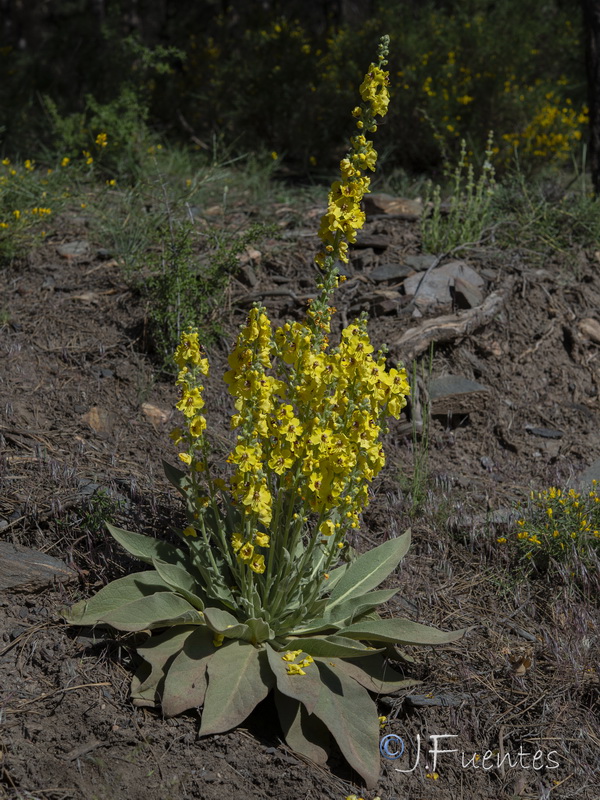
x,y
76,249
454,394
157,416
376,240
389,272
363,258
23,568
248,276
386,204
429,290
435,287
592,473
590,329
385,302
424,700
100,420
420,262
545,433
87,487
466,294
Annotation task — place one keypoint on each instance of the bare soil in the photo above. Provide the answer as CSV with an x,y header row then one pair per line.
x,y
84,422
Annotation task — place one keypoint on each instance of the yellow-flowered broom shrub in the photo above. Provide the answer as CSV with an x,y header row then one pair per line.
x,y
558,527
256,597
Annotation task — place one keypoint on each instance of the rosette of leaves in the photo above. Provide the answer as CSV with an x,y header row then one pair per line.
x,y
323,671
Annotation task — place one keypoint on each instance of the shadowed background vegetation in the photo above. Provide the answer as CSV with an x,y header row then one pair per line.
x,y
279,77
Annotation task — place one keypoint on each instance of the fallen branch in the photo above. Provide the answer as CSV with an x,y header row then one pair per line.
x,y
415,341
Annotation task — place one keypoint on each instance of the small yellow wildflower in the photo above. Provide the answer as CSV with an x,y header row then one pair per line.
x,y
291,655
190,531
294,669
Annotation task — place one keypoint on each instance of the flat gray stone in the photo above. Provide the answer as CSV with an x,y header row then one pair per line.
x,y
420,262
454,394
76,249
387,204
390,272
592,473
435,288
23,568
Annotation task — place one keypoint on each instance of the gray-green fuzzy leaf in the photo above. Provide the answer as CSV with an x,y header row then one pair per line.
x,y
155,611
179,579
258,631
329,646
176,477
158,652
303,732
185,682
402,631
347,710
116,594
374,674
304,688
370,569
223,622
355,606
145,548
239,677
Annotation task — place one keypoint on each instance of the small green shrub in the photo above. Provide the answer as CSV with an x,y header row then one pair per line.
x,y
558,528
468,206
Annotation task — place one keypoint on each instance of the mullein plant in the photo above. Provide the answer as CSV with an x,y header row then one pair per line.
x,y
258,596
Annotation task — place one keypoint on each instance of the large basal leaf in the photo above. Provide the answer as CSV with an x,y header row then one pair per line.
x,y
303,732
158,652
374,673
180,580
116,594
304,688
402,631
146,696
347,710
155,611
355,606
370,569
239,677
329,646
335,577
176,477
223,622
185,683
145,548
258,631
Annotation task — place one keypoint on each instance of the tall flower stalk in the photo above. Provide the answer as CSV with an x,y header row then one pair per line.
x,y
256,597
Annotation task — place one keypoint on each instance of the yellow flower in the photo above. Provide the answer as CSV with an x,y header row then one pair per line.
x,y
101,140
261,539
294,669
291,655
190,402
246,552
186,458
65,161
197,425
257,564
190,531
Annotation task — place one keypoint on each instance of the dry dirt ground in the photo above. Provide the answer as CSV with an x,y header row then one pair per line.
x,y
84,423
